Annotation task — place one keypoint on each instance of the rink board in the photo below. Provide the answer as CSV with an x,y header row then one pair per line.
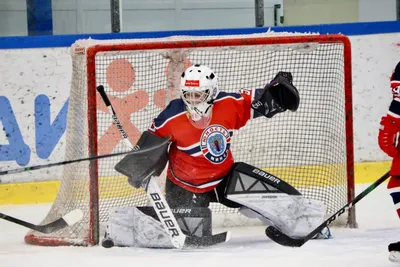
x,y
44,192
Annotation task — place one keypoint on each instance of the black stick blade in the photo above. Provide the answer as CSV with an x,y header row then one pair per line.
x,y
68,219
282,239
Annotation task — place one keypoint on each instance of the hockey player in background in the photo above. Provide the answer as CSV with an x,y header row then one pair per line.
x,y
388,142
199,126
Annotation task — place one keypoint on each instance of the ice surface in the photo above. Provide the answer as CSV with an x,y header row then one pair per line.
x,y
249,247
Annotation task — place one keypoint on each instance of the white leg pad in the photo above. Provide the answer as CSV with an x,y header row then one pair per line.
x,y
394,256
129,226
295,216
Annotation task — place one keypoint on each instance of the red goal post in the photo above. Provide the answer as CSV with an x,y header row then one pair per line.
x,y
312,149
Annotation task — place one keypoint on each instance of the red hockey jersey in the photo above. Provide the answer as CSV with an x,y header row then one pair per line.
x,y
200,158
394,109
394,112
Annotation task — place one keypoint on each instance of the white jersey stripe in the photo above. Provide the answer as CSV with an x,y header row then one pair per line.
x,y
393,114
228,96
394,190
188,147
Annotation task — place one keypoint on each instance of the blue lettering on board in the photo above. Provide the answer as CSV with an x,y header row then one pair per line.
x,y
48,134
16,149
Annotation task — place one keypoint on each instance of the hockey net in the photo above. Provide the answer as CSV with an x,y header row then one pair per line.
x,y
311,149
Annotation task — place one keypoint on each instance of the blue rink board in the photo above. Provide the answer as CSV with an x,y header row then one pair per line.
x,y
359,28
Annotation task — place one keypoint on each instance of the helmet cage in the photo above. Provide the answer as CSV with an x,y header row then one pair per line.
x,y
198,90
195,97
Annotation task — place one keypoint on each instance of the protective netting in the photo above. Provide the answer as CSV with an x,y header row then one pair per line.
x,y
308,148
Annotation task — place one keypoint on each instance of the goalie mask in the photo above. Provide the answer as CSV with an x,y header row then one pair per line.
x,y
199,88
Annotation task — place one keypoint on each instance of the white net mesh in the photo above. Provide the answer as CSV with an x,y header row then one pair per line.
x,y
307,148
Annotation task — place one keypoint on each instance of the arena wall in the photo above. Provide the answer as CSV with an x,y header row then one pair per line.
x,y
36,74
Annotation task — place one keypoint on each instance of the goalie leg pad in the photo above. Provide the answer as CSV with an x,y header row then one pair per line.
x,y
295,216
130,227
273,201
193,221
140,227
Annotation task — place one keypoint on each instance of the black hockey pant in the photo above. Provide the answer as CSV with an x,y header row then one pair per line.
x,y
179,197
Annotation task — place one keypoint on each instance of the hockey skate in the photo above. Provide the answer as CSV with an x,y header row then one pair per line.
x,y
394,252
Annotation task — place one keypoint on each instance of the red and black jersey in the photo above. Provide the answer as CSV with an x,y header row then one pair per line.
x,y
394,112
200,158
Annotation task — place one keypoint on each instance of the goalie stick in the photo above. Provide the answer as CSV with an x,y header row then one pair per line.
x,y
160,205
68,219
285,240
66,162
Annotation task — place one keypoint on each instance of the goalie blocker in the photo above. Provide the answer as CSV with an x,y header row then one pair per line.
x,y
140,167
257,193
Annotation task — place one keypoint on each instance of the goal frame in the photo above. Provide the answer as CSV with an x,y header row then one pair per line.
x,y
94,235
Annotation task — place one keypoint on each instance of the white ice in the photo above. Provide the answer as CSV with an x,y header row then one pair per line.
x,y
249,247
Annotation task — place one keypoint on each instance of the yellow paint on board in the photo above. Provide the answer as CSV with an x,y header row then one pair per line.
x,y
28,193
44,192
368,172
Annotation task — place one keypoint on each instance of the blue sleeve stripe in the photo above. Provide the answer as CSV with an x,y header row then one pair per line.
x,y
174,109
396,197
161,120
225,95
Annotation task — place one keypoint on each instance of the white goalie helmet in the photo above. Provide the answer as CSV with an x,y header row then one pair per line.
x,y
199,89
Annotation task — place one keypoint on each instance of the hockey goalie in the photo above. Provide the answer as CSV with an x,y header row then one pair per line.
x,y
193,136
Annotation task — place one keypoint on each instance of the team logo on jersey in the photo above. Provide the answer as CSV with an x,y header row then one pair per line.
x,y
215,143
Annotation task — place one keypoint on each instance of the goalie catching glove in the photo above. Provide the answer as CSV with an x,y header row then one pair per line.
x,y
279,95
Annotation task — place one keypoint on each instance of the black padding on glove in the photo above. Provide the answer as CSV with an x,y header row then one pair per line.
x,y
139,167
279,95
283,91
